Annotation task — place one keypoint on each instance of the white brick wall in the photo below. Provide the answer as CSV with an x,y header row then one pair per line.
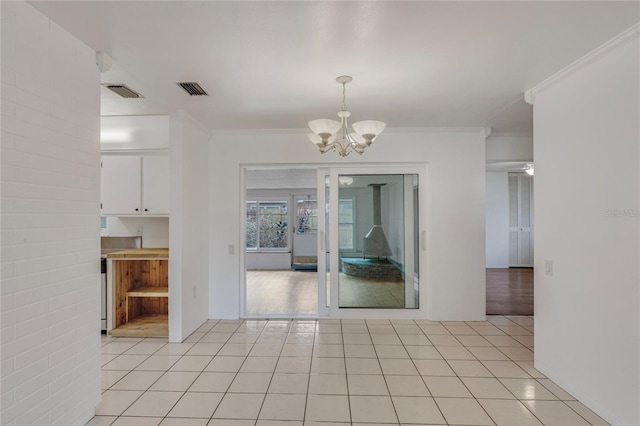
x,y
50,241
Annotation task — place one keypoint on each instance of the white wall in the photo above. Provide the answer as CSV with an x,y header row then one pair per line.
x,y
281,178
587,199
268,261
155,230
509,147
188,241
454,205
134,132
50,222
497,214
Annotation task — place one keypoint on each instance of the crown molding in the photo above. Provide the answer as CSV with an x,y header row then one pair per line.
x,y
498,134
621,39
388,130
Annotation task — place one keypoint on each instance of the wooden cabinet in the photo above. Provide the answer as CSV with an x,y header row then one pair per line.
x,y
134,185
140,295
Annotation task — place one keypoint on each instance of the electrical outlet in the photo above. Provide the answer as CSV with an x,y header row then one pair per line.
x,y
548,268
138,230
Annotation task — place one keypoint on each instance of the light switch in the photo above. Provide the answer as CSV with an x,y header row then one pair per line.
x,y
231,249
548,268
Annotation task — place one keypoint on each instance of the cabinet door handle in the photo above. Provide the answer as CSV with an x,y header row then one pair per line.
x,y
137,210
146,210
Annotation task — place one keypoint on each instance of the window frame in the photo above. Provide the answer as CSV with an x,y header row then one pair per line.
x,y
352,199
297,198
268,199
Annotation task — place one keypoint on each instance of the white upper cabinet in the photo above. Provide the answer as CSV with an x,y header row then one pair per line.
x,y
155,185
120,185
135,185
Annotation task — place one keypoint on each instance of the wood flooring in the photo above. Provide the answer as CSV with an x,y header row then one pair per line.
x,y
510,291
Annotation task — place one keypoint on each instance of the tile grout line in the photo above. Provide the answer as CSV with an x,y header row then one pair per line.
x,y
395,333
266,392
205,367
418,370
346,373
181,356
306,398
462,381
130,371
498,379
380,365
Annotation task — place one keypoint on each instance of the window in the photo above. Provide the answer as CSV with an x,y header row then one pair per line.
x,y
306,216
267,225
346,228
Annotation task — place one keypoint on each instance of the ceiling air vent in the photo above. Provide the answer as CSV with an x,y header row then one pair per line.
x,y
123,91
193,88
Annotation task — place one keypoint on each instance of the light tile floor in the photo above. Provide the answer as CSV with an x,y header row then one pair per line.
x,y
335,372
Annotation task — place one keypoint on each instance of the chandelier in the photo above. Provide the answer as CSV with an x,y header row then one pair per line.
x,y
332,135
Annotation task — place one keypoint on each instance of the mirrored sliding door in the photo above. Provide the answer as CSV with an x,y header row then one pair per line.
x,y
374,240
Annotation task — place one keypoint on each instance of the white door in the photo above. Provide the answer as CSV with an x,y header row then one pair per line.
x,y
520,220
155,185
120,185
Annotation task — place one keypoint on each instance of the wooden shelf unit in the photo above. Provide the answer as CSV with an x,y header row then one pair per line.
x,y
147,292
140,292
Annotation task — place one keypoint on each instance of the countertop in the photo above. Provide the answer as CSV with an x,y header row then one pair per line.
x,y
143,253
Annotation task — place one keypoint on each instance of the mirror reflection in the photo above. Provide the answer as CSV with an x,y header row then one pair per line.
x,y
378,234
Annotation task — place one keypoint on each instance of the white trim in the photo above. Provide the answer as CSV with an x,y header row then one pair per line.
x,y
135,151
188,117
321,195
304,131
619,40
498,134
242,252
409,239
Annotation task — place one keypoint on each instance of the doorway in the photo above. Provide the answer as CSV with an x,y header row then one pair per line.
x,y
510,243
280,209
334,242
520,220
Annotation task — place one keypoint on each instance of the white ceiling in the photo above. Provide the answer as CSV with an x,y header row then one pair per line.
x,y
272,65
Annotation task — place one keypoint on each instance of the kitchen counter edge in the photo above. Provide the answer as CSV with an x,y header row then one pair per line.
x,y
133,254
